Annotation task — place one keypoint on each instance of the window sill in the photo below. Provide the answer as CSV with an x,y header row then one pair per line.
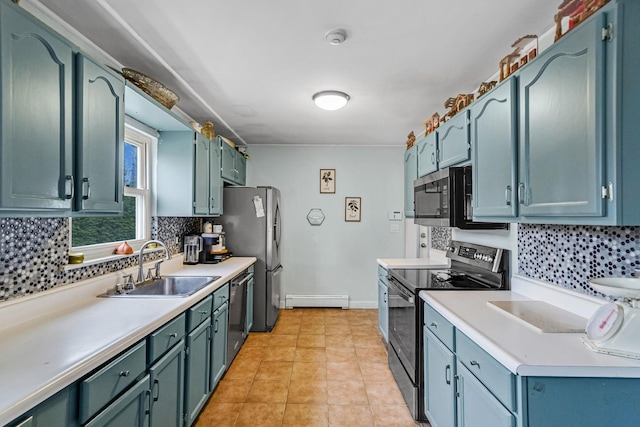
x,y
95,261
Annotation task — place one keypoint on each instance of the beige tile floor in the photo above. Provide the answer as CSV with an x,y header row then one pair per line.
x,y
318,367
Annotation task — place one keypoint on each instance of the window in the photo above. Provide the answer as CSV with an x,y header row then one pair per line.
x,y
97,237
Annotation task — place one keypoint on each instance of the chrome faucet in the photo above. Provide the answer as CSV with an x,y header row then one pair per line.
x,y
166,253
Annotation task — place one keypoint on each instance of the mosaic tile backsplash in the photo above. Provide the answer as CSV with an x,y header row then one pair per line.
x,y
32,250
568,256
440,238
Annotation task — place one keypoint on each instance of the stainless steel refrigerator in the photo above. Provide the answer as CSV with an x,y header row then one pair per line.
x,y
251,222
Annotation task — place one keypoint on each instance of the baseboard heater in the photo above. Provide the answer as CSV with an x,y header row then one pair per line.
x,y
341,301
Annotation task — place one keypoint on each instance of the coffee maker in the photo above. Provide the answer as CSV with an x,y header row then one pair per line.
x,y
213,250
192,249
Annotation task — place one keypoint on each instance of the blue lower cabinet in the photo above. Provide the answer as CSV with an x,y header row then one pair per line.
x,y
439,369
131,409
220,321
60,410
197,362
477,407
383,309
167,388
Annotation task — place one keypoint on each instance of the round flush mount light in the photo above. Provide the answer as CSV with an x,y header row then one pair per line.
x,y
336,37
330,99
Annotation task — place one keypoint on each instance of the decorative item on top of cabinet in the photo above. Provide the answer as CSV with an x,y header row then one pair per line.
x,y
486,87
431,124
151,87
411,139
505,64
207,130
527,44
573,12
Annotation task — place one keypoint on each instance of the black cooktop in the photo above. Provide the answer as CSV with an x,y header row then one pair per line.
x,y
416,280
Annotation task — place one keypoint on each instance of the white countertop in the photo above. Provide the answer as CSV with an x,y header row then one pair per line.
x,y
519,347
53,338
434,261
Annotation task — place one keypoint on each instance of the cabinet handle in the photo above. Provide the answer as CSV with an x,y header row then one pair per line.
x,y
507,195
216,328
447,374
124,373
86,188
385,297
156,387
521,193
173,335
455,385
475,363
433,158
434,325
68,187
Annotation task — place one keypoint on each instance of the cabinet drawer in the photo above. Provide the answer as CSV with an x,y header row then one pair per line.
x,y
220,296
439,326
106,384
164,338
498,379
199,313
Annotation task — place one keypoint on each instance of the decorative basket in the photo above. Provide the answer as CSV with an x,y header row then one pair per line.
x,y
154,89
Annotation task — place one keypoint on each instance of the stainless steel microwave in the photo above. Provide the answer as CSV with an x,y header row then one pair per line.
x,y
444,198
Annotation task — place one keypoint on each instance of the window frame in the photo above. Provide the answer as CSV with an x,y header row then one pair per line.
x,y
145,139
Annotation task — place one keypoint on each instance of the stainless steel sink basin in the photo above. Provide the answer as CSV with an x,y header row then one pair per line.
x,y
170,286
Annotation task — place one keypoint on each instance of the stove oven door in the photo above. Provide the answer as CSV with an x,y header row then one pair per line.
x,y
403,342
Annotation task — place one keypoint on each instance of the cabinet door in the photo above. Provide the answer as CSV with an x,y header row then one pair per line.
x,y
561,126
249,321
36,143
228,170
410,175
495,146
219,344
383,309
167,387
241,169
439,371
215,180
428,154
453,140
477,407
131,409
201,175
197,371
100,138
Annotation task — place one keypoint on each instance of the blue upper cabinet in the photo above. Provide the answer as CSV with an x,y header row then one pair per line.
x,y
495,142
453,140
215,179
36,90
427,153
99,138
410,175
562,124
233,164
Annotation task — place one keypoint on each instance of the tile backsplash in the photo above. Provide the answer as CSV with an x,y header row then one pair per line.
x,y
440,238
568,256
33,250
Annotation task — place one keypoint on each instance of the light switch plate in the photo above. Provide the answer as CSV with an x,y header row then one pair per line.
x,y
395,215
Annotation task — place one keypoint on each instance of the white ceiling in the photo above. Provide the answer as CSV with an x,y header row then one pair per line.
x,y
251,67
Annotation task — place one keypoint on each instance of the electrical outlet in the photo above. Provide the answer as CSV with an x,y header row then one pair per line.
x,y
176,240
395,228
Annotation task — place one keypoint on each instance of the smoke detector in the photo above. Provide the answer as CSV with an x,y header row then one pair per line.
x,y
336,37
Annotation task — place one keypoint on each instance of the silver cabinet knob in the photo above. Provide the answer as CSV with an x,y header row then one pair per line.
x,y
423,245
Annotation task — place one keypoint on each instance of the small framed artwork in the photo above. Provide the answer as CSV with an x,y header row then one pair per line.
x,y
327,181
352,209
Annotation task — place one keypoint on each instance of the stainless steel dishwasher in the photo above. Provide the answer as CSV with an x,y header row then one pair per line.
x,y
237,314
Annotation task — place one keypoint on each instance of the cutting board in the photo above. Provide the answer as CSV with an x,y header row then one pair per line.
x,y
541,316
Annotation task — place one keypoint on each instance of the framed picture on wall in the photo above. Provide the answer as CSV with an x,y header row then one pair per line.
x,y
327,181
352,209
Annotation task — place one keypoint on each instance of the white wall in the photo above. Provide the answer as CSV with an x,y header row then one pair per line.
x,y
336,257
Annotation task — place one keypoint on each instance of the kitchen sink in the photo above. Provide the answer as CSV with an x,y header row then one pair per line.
x,y
169,286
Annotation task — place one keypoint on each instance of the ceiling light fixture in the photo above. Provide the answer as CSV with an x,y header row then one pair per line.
x,y
330,99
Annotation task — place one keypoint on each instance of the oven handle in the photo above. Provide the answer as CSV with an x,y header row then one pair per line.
x,y
403,294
